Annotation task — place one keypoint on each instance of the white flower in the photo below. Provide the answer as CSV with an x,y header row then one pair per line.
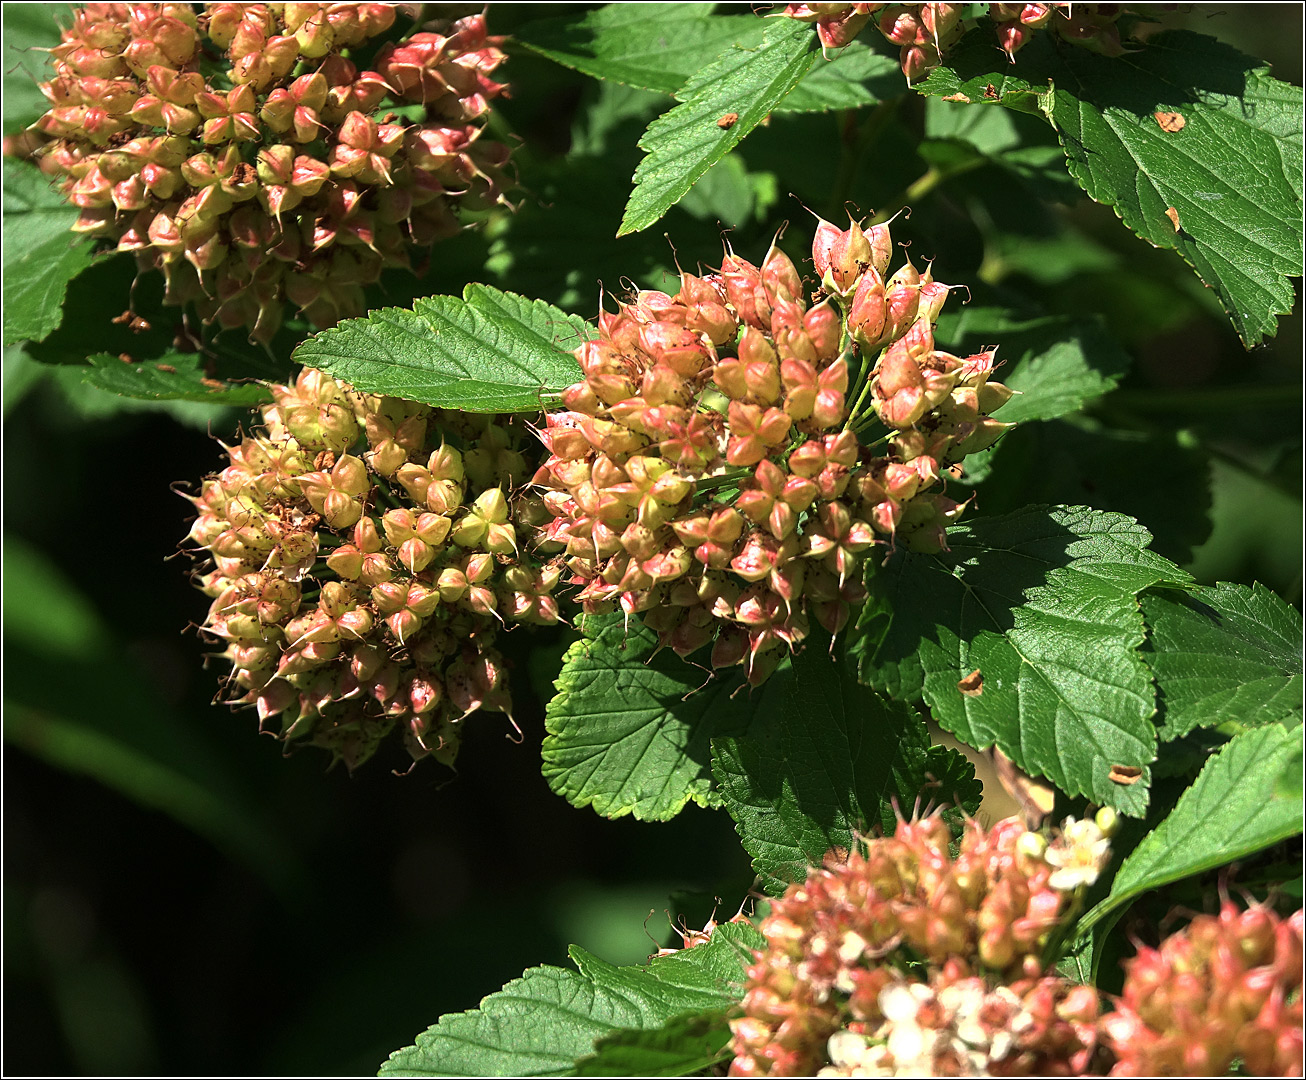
x,y
1078,855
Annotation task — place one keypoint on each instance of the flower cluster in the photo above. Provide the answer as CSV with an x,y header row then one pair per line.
x,y
923,32
840,982
709,473
958,1024
1226,986
361,564
242,153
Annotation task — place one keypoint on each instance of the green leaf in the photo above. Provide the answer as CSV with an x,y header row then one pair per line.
x,y
1057,363
1021,144
661,46
546,1021
629,728
823,762
21,375
1231,811
1042,603
29,31
40,254
687,141
1224,654
729,194
1078,460
684,1045
856,76
1232,173
174,377
490,351
652,46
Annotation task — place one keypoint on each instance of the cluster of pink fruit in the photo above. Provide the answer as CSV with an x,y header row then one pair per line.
x,y
711,473
240,152
905,960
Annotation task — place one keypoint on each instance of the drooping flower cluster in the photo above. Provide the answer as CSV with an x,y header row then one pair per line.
x,y
709,473
242,153
1226,986
361,565
923,32
840,983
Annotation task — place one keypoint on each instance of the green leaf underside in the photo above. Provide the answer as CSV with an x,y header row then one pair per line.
x,y
490,351
1057,363
1231,810
685,142
628,731
682,1046
544,1022
823,762
661,46
151,380
1233,173
1042,602
40,254
1225,653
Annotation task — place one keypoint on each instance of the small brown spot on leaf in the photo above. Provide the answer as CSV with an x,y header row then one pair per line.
x,y
1173,215
126,358
1170,121
972,685
214,384
991,91
1125,774
957,97
167,369
728,121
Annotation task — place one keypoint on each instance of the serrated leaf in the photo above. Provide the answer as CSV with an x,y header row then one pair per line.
x,y
628,730
1042,603
1057,363
40,254
822,763
661,46
1232,810
687,141
652,46
490,351
684,1045
856,76
546,1021
1225,653
1231,175
173,377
